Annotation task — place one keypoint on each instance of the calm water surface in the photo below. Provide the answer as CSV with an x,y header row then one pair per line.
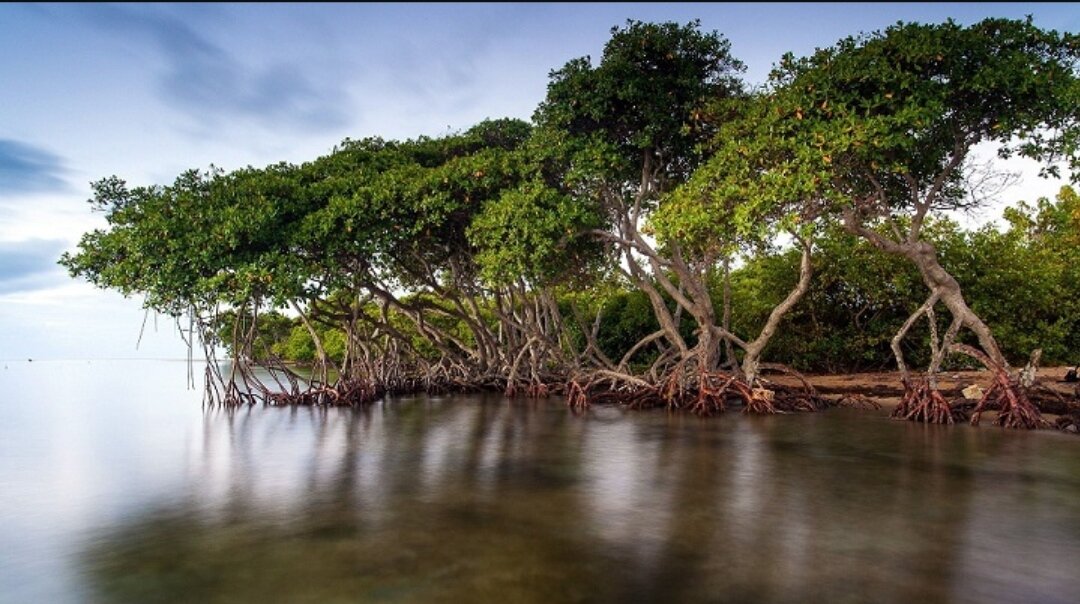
x,y
115,486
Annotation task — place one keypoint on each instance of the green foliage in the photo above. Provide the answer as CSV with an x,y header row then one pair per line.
x,y
1024,281
298,346
756,184
209,238
627,317
658,136
531,233
645,95
408,217
285,233
272,328
893,112
857,300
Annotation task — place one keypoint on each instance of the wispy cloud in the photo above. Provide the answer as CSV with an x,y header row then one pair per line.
x,y
29,265
27,169
204,80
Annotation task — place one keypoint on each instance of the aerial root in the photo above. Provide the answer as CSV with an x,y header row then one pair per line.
x,y
923,403
1048,400
761,401
857,401
531,389
1011,401
713,391
344,393
801,398
1006,395
576,397
700,392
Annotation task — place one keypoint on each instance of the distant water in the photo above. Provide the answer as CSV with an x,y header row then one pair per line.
x,y
115,486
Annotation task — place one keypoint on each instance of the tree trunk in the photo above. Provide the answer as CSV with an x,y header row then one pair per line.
x,y
948,290
752,357
937,279
322,360
725,320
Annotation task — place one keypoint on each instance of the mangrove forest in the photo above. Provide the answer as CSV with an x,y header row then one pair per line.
x,y
659,234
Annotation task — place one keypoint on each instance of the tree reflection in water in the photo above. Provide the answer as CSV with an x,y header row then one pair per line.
x,y
475,499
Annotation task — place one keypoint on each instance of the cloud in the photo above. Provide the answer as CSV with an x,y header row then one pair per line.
x,y
27,169
29,265
203,80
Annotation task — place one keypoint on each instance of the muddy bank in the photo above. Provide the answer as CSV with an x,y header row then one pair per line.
x,y
886,384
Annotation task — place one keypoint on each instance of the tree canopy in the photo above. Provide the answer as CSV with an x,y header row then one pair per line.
x,y
649,236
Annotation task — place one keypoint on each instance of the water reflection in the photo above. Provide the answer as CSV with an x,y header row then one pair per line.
x,y
483,499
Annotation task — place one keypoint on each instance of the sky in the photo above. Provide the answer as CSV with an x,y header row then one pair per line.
x,y
146,91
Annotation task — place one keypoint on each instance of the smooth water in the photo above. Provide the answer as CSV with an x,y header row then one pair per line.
x,y
115,486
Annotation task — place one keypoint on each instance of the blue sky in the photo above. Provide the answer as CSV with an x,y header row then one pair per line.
x,y
146,91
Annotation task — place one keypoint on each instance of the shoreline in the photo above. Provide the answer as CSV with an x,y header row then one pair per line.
x,y
886,384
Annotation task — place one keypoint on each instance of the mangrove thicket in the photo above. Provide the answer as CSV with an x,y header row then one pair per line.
x,y
658,234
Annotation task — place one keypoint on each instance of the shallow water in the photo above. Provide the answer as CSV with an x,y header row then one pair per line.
x,y
115,486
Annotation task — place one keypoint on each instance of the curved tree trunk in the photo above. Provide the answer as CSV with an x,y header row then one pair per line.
x,y
322,360
753,349
921,400
941,284
725,320
945,286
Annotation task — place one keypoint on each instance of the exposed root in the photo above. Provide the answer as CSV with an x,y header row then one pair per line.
x,y
700,392
576,396
343,393
611,387
795,398
1011,401
1069,423
785,370
857,401
1007,394
761,401
674,388
704,394
922,403
537,390
532,389
714,390
803,398
1048,400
